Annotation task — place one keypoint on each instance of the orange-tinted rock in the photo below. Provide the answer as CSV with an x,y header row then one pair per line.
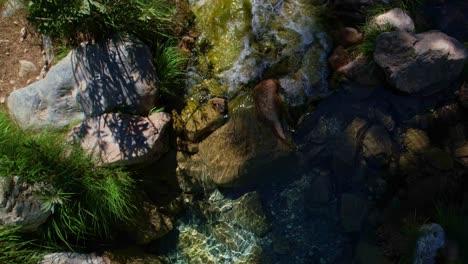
x,y
268,105
349,36
340,57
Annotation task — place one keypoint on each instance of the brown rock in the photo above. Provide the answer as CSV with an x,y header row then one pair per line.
x,y
152,225
340,57
362,71
206,119
349,36
268,105
123,139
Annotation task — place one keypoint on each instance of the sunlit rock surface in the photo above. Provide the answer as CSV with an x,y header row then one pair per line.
x,y
244,40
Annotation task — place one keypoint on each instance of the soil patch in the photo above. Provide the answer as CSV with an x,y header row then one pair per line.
x,y
13,49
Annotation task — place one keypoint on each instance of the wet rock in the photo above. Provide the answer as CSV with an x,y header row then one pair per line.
x,y
238,148
151,225
74,258
353,210
26,67
349,36
218,244
361,140
339,58
123,139
419,63
206,119
431,240
362,71
21,205
248,212
395,18
416,141
269,106
293,91
269,40
89,82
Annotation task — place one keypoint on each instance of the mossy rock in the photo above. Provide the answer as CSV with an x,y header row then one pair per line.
x,y
248,212
223,24
416,141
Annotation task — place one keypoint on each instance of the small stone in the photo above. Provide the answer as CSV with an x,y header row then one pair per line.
x,y
23,33
2,100
15,22
28,81
7,53
26,67
349,36
12,82
25,50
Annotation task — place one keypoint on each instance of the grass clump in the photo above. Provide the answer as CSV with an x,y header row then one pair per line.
x,y
14,248
87,201
368,43
78,20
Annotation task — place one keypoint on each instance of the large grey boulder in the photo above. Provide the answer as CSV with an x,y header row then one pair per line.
x,y
115,76
123,139
395,18
20,203
419,63
73,258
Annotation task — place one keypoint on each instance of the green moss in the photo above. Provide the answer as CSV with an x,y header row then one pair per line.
x,y
223,24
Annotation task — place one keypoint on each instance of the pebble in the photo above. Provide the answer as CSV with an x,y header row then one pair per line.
x,y
12,82
28,81
15,22
8,53
2,100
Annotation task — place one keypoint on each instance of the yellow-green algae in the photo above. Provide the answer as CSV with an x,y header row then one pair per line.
x,y
224,24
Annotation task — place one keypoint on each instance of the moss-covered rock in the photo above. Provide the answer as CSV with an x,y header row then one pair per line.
x,y
242,41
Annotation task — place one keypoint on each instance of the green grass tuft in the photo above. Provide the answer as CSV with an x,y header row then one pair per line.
x,y
14,249
87,200
368,43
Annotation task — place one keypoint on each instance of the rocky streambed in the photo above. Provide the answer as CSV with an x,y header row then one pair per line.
x,y
291,147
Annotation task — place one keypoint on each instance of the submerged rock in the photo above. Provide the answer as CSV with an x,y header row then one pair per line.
x,y
232,154
247,211
21,204
90,81
151,225
420,63
206,119
123,139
